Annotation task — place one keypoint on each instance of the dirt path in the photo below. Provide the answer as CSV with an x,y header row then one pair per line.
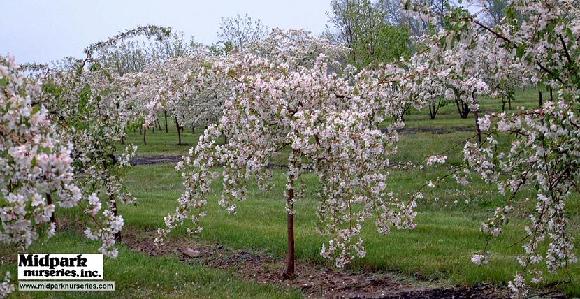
x,y
314,280
148,160
437,130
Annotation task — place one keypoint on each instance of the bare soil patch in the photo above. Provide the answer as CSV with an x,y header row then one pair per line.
x,y
437,130
314,280
147,160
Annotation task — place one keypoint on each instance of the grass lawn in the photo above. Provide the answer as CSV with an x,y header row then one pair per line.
x,y
440,247
140,276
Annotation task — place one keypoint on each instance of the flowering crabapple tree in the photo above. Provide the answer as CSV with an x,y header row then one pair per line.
x,y
59,128
36,171
543,154
145,69
88,101
282,101
182,86
503,73
198,96
236,33
87,106
134,54
460,75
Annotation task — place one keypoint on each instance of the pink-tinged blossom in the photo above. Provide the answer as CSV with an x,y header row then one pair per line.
x,y
480,259
6,287
432,160
36,172
35,160
535,44
283,95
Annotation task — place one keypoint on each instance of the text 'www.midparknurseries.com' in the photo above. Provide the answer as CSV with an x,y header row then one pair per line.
x,y
37,272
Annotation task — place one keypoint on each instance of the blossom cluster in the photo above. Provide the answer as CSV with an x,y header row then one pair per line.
x,y
58,132
291,92
36,172
537,43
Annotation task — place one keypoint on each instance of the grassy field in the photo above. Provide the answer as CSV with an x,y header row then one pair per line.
x,y
140,276
439,249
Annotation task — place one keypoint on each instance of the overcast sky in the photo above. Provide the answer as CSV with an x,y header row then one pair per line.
x,y
46,30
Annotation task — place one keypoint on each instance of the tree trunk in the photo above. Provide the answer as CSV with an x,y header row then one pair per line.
x,y
178,131
290,259
289,273
462,109
432,111
540,99
144,136
165,114
53,215
476,116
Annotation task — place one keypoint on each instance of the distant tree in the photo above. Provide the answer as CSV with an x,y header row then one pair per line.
x,y
239,31
393,11
420,26
135,55
394,14
129,56
494,10
370,33
175,46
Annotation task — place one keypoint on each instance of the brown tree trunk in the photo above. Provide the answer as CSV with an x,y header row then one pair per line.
x,y
433,108
165,114
178,131
53,216
465,111
290,259
144,136
540,99
462,109
289,273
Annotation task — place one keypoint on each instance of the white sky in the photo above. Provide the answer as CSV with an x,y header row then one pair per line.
x,y
46,30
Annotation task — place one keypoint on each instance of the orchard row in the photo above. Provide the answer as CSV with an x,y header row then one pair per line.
x,y
60,128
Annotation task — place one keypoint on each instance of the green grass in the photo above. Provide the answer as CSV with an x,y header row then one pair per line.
x,y
161,143
447,116
140,276
440,247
